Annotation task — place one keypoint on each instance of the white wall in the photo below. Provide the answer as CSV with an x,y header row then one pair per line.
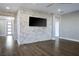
x,y
3,27
69,26
15,28
33,34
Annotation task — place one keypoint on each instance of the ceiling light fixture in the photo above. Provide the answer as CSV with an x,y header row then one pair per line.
x,y
7,7
59,10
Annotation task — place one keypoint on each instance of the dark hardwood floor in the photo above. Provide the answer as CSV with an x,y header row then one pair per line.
x,y
43,48
38,49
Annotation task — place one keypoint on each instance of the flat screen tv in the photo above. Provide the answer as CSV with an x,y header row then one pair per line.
x,y
38,22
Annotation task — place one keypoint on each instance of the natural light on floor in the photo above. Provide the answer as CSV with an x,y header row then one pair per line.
x,y
9,42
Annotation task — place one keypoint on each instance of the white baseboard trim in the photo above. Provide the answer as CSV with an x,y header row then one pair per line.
x,y
76,40
28,42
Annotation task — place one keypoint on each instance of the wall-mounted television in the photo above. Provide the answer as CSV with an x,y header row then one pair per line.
x,y
38,22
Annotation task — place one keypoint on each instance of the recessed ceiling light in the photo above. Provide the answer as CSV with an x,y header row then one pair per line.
x,y
7,7
59,10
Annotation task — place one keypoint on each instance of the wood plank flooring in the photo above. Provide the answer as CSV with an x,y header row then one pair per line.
x,y
43,48
38,49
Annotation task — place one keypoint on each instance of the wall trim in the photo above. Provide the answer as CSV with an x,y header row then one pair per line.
x,y
65,38
24,42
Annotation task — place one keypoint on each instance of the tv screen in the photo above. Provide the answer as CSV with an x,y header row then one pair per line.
x,y
35,21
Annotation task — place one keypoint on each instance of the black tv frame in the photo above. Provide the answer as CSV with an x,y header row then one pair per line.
x,y
37,22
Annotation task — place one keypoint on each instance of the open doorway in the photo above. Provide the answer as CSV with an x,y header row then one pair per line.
x,y
6,30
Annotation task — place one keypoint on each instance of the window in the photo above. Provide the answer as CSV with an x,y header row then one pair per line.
x,y
57,28
9,23
9,27
9,30
56,24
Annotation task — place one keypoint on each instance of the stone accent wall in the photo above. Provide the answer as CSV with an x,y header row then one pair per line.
x,y
34,34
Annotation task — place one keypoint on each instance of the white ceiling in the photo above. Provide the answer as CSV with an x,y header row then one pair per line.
x,y
45,7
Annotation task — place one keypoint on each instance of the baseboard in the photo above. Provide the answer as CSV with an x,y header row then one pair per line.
x,y
27,42
76,40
